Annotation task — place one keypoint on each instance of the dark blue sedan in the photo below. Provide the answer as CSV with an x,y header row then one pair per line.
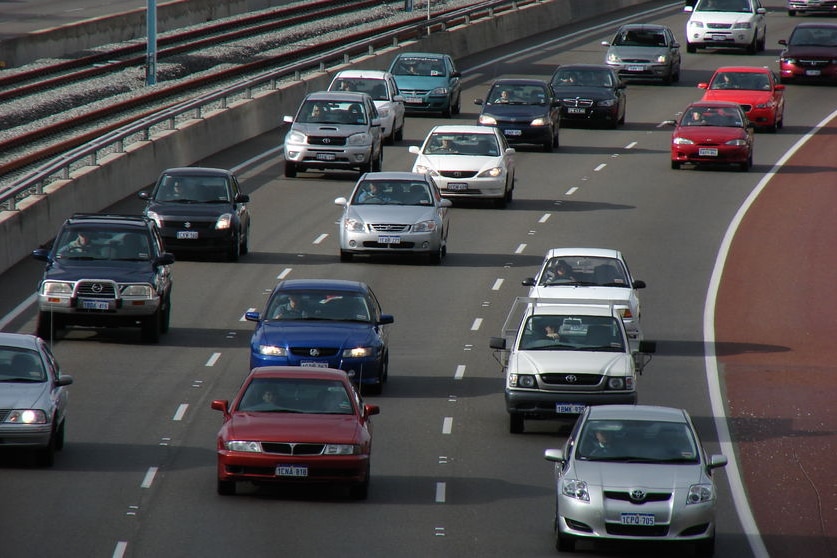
x,y
525,110
325,323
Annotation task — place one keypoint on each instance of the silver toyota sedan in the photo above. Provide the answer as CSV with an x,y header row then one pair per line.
x,y
634,473
394,213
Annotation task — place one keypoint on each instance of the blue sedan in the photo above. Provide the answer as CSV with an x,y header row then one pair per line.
x,y
323,323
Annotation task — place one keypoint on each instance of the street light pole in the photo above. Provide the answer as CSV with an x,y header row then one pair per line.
x,y
151,54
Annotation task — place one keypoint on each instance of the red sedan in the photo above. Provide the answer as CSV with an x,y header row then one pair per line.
x,y
291,424
757,90
712,132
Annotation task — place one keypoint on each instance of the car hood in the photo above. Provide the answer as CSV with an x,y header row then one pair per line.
x,y
407,214
515,112
333,130
637,52
313,333
23,395
577,362
119,271
292,427
746,96
650,476
597,93
721,17
810,52
474,163
713,134
180,209
421,82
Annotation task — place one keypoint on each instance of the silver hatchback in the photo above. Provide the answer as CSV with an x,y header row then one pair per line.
x,y
644,51
634,473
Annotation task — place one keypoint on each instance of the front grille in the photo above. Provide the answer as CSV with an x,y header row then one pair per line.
x,y
293,449
813,63
636,60
650,497
637,530
719,25
389,227
399,246
96,289
326,140
565,379
189,223
324,352
458,174
576,102
414,92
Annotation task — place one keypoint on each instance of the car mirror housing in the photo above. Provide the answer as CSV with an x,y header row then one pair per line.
x,y
555,455
528,282
498,343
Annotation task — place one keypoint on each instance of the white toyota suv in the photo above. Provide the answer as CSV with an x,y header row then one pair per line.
x,y
726,24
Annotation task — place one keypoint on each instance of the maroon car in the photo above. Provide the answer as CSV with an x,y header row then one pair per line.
x,y
810,55
291,424
713,133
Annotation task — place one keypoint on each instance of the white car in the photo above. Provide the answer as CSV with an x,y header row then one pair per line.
x,y
468,162
726,24
587,274
384,92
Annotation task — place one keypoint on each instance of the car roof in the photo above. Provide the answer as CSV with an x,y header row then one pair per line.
x,y
717,104
420,55
637,412
106,219
299,372
519,81
816,24
18,340
595,252
394,175
361,74
462,129
196,171
744,69
351,96
643,26
577,307
325,284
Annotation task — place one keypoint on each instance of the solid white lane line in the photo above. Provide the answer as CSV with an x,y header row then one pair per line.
x,y
520,249
149,477
497,284
447,425
460,372
181,410
477,324
631,145
440,493
321,238
213,359
18,310
120,549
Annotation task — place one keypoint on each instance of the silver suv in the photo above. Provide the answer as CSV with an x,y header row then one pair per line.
x,y
334,130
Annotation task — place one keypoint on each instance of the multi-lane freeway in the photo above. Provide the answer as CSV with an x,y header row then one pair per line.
x,y
137,475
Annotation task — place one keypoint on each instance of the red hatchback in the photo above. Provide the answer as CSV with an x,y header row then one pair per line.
x,y
290,424
713,133
757,90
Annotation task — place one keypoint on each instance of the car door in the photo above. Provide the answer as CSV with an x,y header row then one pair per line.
x,y
453,80
759,20
674,49
397,101
375,130
241,211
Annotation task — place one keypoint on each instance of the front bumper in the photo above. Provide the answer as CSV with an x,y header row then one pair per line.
x,y
542,404
590,114
818,71
82,311
25,435
320,157
208,240
417,102
727,154
262,467
721,38
389,243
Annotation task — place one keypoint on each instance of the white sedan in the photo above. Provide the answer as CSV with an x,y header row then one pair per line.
x,y
468,162
384,92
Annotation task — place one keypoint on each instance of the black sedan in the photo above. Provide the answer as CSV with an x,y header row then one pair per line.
x,y
200,210
525,110
590,93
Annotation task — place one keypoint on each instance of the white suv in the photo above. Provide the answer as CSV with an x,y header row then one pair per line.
x,y
726,24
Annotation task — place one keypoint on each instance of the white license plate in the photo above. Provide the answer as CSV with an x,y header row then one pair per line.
x,y
313,364
457,186
719,37
708,151
636,68
813,72
187,235
389,240
291,471
95,304
569,408
644,519
575,110
513,132
325,156
413,100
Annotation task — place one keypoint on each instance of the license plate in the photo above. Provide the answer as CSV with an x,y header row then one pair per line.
x,y
708,151
513,132
187,235
636,68
457,186
313,364
413,100
389,240
569,408
95,304
813,72
291,471
575,110
719,37
644,519
325,156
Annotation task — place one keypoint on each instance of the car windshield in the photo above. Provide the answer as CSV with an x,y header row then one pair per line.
x,y
192,189
637,441
20,365
77,243
814,36
563,332
740,80
712,116
739,6
583,270
291,395
419,67
318,305
484,145
392,192
375,88
517,94
639,38
582,78
332,112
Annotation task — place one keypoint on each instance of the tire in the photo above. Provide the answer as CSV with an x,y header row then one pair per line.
x,y
791,13
447,112
290,169
436,257
690,48
746,165
760,44
458,106
59,436
345,256
752,48
564,544
166,317
675,165
151,327
399,133
46,456
360,491
234,249
516,423
705,548
378,164
245,241
48,325
549,145
226,488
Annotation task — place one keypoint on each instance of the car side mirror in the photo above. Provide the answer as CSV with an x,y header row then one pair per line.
x,y
675,45
376,122
478,101
42,254
144,195
688,9
166,258
386,319
782,42
445,203
605,44
242,198
340,201
498,343
455,74
369,410
252,316
288,119
638,284
528,282
220,405
398,98
554,455
414,149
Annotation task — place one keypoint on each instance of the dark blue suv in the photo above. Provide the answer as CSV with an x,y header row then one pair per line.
x,y
324,323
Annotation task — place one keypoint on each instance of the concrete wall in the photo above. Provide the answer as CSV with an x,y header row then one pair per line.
x,y
120,175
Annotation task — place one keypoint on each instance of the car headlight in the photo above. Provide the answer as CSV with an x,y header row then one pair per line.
x,y
522,380
354,225
358,352
486,120
764,105
493,172
682,141
272,350
242,445
424,169
57,288
26,416
224,222
440,91
575,488
620,382
737,142
612,58
425,226
296,137
696,24
742,25
542,121
363,138
155,217
137,291
341,449
661,59
607,103
700,493
787,60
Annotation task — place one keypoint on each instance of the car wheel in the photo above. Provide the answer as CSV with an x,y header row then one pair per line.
x,y
564,544
290,169
151,327
399,133
746,165
226,488
437,255
46,456
59,437
446,112
675,165
245,241
791,13
166,317
690,48
378,165
360,491
752,48
234,249
705,548
549,144
345,256
760,44
515,423
458,106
